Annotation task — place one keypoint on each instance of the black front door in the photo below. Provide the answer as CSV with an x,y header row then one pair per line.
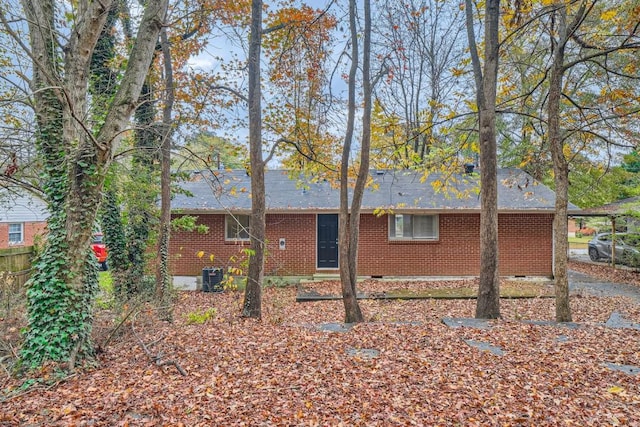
x,y
328,241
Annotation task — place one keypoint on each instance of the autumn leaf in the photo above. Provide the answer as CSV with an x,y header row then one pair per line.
x,y
615,389
608,15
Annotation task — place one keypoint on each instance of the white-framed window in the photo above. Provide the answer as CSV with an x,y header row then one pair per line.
x,y
16,233
413,227
236,227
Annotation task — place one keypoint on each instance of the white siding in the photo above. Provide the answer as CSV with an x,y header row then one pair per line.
x,y
22,208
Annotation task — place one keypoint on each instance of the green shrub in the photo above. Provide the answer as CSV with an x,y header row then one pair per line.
x,y
200,317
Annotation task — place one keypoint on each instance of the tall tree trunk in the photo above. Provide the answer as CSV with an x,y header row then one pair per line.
x,y
76,157
60,311
252,306
349,221
141,205
163,280
102,87
560,170
488,304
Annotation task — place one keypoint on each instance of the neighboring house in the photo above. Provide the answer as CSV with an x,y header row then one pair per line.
x,y
422,232
622,214
22,218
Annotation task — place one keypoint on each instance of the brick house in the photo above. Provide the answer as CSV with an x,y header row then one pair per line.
x,y
22,218
423,232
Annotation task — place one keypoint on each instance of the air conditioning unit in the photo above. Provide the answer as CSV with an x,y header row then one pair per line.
x,y
212,279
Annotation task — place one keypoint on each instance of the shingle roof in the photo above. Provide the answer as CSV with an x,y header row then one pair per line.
x,y
620,208
400,190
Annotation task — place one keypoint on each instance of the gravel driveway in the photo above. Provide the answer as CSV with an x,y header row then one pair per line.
x,y
598,287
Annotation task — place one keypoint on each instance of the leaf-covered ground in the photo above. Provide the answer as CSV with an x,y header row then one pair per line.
x,y
285,370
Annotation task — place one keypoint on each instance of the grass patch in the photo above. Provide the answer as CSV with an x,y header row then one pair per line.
x,y
105,282
105,296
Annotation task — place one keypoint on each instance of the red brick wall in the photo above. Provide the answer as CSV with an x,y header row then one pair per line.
x,y
298,257
29,230
525,247
455,253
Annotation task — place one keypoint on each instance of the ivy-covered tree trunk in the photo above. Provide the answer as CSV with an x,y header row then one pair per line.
x,y
60,308
163,279
103,86
141,203
76,153
62,289
114,239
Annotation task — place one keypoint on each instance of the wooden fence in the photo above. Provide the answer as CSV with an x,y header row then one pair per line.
x,y
16,263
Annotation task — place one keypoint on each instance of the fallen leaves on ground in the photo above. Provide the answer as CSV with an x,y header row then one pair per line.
x,y
420,288
284,370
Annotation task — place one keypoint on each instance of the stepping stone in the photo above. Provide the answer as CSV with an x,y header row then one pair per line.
x,y
459,322
569,325
335,327
617,321
363,353
627,369
485,347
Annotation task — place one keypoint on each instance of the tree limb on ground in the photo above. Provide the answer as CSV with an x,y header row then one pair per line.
x,y
158,359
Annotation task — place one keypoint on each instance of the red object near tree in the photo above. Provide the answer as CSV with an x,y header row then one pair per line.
x,y
100,250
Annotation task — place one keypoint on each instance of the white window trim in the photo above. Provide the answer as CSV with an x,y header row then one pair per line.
x,y
21,241
235,217
436,237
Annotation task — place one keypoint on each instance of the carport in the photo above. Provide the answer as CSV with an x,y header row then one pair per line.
x,y
625,208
